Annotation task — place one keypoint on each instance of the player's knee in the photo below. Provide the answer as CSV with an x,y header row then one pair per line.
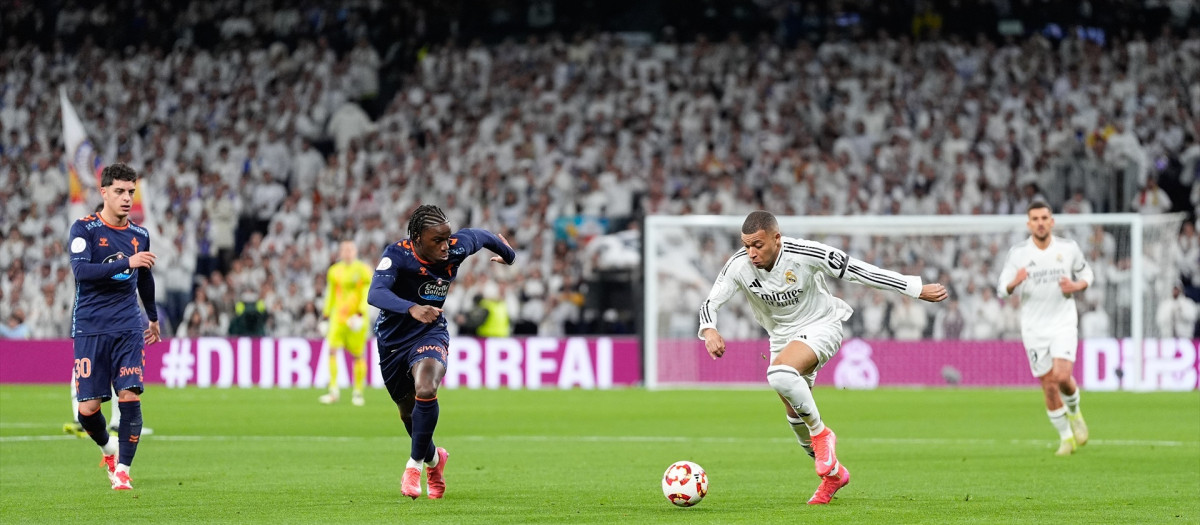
x,y
427,391
1057,378
89,407
782,377
1049,384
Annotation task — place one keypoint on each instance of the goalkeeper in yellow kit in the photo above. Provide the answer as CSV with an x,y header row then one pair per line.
x,y
346,311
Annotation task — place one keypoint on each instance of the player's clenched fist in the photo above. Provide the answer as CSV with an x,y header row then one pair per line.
x,y
714,343
142,260
425,313
934,292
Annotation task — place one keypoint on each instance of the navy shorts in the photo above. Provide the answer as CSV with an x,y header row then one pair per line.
x,y
395,363
108,362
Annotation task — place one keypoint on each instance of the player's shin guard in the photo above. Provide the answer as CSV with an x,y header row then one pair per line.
x,y
424,420
788,382
96,427
130,430
801,430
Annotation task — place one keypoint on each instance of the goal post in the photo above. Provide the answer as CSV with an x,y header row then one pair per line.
x,y
683,254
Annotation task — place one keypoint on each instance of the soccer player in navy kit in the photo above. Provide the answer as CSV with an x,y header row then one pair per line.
x,y
409,288
111,260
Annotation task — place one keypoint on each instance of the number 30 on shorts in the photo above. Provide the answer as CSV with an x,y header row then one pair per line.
x,y
83,367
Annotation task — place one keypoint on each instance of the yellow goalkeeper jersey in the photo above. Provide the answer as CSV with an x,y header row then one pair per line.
x,y
346,290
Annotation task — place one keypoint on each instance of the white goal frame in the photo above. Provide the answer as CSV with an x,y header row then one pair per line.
x,y
858,224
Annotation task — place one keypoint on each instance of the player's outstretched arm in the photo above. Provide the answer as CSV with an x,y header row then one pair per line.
x,y
477,238
499,259
933,292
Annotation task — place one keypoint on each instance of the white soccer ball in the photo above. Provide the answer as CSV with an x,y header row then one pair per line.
x,y
685,483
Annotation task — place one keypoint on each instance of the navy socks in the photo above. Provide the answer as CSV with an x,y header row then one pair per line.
x,y
424,420
129,431
96,427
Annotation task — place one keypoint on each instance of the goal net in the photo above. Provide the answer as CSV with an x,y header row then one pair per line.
x,y
973,339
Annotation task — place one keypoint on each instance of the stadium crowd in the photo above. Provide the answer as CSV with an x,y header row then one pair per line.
x,y
263,150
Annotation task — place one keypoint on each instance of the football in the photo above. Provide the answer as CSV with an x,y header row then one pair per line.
x,y
685,483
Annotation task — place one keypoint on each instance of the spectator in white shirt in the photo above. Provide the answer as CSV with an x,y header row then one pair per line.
x,y
1177,316
1151,199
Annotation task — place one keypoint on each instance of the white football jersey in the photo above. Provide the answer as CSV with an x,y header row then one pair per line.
x,y
793,295
1045,310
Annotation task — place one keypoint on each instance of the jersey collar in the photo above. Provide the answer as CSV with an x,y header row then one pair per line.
x,y
113,226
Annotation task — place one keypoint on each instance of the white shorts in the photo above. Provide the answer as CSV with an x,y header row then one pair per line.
x,y
1043,351
824,339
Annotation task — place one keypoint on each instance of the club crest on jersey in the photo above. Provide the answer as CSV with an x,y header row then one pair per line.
x,y
123,276
789,277
434,290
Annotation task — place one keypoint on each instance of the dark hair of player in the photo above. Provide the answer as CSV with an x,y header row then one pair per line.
x,y
760,220
117,172
426,216
1036,205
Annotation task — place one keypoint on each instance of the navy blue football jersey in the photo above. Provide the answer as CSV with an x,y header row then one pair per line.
x,y
106,288
403,280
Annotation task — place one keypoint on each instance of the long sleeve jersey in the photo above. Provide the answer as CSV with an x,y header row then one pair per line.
x,y
402,280
794,294
106,288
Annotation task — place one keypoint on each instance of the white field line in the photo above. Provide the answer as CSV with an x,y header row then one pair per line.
x,y
632,439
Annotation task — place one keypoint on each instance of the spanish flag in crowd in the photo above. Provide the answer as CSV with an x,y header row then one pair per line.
x,y
84,165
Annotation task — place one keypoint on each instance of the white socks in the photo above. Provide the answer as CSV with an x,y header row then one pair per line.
x,y
1072,402
420,465
801,430
110,448
1058,418
788,382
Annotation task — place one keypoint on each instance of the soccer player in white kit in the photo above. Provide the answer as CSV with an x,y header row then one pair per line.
x,y
783,278
1047,271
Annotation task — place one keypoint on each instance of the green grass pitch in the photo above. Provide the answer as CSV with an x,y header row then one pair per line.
x,y
916,456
